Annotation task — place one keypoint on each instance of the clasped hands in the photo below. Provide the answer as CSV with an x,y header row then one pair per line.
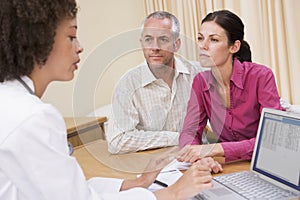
x,y
197,178
203,154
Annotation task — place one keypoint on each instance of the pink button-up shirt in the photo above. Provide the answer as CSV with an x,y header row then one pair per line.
x,y
252,88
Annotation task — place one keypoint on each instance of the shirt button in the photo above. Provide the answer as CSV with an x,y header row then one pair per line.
x,y
229,127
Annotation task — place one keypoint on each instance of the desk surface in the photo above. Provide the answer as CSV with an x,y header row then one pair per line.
x,y
75,124
95,160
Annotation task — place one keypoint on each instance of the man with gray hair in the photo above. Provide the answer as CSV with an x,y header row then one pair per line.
x,y
150,100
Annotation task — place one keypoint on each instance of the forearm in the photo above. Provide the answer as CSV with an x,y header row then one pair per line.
x,y
195,119
136,140
166,194
214,150
132,183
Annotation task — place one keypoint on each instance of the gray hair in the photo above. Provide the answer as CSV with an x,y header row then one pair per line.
x,y
162,15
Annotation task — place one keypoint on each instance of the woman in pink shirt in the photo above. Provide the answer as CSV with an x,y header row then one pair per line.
x,y
231,95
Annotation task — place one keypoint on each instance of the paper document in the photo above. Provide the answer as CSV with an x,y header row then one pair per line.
x,y
169,174
168,177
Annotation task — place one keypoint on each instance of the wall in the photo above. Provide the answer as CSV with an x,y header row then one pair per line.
x,y
105,25
108,30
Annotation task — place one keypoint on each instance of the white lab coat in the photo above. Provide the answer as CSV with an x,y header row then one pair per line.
x,y
34,157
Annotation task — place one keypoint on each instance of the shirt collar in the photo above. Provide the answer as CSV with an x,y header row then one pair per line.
x,y
181,67
148,77
16,83
210,81
28,82
237,74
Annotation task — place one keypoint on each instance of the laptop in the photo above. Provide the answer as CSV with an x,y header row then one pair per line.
x,y
275,164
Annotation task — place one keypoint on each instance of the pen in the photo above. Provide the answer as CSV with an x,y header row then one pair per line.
x,y
160,183
172,170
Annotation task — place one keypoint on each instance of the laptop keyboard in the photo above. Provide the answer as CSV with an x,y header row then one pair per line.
x,y
251,186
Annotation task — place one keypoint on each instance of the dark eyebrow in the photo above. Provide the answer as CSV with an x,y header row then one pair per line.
x,y
215,35
211,35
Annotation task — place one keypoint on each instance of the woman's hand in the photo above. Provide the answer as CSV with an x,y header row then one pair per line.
x,y
192,153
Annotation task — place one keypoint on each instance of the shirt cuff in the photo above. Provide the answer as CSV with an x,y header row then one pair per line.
x,y
241,150
105,185
109,188
173,138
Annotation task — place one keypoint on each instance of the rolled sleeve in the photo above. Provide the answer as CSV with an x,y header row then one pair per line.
x,y
241,150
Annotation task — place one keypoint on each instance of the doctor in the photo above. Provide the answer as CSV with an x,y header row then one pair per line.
x,y
38,45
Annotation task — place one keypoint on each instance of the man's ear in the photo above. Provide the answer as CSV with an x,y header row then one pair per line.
x,y
235,47
177,44
141,42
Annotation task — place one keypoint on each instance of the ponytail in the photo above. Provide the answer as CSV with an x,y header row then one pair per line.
x,y
234,29
244,54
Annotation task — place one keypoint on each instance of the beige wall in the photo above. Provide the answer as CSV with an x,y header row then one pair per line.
x,y
108,30
100,21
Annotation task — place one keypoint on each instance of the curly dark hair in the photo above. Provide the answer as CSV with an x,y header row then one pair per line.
x,y
27,31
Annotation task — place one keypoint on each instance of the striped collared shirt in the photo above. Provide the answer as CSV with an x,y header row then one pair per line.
x,y
147,113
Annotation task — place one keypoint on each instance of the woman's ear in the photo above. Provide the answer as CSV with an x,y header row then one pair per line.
x,y
235,47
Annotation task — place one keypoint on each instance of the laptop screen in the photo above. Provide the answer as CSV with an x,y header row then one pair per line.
x,y
277,154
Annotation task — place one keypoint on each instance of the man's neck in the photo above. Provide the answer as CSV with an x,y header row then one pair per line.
x,y
164,72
